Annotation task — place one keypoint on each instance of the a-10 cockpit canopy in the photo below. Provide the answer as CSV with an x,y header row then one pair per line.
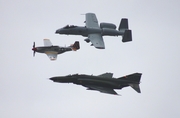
x,y
69,26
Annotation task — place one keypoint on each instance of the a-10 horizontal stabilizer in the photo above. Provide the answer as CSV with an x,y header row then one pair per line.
x,y
127,36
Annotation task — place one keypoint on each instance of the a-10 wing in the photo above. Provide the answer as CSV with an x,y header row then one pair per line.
x,y
91,21
96,39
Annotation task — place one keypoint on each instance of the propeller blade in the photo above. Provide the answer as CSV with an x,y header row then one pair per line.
x,y
34,53
34,45
34,49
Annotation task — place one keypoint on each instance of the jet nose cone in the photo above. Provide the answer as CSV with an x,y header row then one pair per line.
x,y
51,78
57,31
54,79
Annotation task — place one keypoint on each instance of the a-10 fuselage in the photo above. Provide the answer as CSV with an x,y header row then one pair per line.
x,y
84,31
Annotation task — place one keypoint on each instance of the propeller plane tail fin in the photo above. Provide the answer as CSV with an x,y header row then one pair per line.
x,y
75,46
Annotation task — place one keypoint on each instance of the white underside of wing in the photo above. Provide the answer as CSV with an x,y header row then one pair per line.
x,y
52,55
47,42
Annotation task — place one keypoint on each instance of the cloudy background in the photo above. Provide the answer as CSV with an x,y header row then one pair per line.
x,y
26,92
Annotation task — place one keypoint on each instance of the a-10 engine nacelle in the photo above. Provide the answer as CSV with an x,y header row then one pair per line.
x,y
110,32
107,25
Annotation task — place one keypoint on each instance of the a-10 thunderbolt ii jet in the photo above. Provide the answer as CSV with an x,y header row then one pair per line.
x,y
52,51
94,31
104,83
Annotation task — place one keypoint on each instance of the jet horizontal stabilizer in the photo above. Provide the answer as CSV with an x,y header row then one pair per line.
x,y
135,87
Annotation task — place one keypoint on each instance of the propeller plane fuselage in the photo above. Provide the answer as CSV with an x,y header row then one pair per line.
x,y
52,51
56,49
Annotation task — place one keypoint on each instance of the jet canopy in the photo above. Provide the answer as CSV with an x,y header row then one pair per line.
x,y
71,75
69,26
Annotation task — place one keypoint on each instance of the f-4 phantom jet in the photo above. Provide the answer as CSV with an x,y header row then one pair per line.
x,y
94,31
52,51
104,83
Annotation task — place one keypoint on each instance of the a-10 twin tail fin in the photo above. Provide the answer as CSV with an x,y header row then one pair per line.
x,y
123,27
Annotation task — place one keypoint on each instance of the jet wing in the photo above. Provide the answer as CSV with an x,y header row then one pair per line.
x,y
102,89
96,40
52,55
47,42
107,75
91,21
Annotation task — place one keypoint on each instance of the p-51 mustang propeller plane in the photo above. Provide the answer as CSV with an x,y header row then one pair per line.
x,y
52,51
94,31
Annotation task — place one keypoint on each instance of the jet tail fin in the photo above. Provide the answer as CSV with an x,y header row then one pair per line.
x,y
124,29
123,24
75,46
132,77
133,80
127,36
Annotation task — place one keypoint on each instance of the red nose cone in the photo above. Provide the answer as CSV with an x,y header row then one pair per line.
x,y
34,49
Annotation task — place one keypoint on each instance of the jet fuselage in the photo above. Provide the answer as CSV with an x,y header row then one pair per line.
x,y
79,30
86,80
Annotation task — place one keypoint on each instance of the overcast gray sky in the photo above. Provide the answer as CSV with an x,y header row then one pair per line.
x,y
26,91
